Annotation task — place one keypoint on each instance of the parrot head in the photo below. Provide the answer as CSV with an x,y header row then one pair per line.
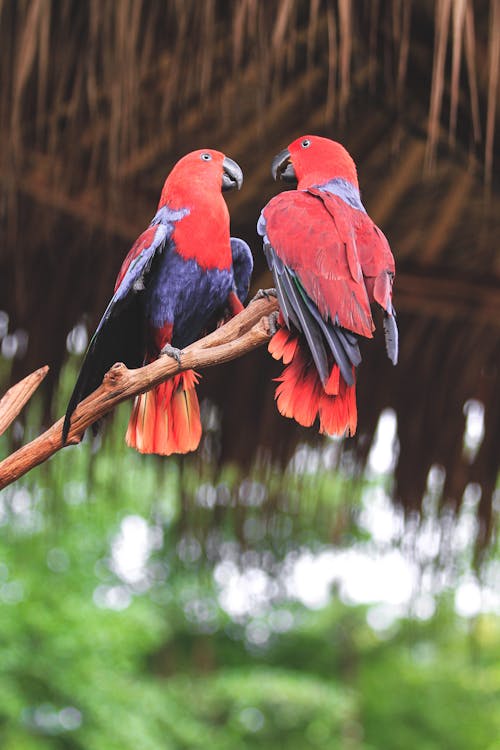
x,y
313,160
204,170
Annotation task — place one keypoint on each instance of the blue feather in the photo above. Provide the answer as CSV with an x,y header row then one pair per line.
x,y
242,267
183,293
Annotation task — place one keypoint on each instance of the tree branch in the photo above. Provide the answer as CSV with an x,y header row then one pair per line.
x,y
18,396
240,335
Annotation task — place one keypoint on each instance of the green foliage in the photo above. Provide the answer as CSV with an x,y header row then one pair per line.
x,y
91,660
430,690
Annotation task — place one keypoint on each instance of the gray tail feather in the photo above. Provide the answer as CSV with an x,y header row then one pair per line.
x,y
391,336
343,344
350,344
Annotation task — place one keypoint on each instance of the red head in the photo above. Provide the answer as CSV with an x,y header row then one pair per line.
x,y
312,160
195,183
203,172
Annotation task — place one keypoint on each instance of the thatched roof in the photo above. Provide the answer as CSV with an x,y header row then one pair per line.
x,y
98,99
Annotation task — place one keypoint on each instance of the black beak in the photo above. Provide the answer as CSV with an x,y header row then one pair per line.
x,y
232,176
282,167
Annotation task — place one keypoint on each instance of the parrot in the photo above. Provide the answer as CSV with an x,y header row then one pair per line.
x,y
330,263
183,276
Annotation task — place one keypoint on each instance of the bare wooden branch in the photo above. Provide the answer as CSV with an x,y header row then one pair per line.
x,y
18,396
240,335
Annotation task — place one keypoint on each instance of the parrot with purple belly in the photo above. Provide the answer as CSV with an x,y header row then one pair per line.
x,y
330,264
182,277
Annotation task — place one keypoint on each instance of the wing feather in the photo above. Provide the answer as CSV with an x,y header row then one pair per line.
x,y
119,337
342,262
377,265
242,267
277,268
321,250
318,277
308,326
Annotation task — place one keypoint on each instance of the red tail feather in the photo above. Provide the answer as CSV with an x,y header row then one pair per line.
x,y
283,345
301,395
338,414
166,419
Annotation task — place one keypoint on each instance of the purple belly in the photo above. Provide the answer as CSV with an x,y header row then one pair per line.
x,y
182,293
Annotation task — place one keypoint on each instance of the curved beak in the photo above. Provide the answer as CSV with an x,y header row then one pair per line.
x,y
232,176
282,167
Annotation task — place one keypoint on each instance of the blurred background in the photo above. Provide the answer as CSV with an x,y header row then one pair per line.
x,y
275,589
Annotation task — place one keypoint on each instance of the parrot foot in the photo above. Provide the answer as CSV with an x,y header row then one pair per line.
x,y
272,322
171,351
264,294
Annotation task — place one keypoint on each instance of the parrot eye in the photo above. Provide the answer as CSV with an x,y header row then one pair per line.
x,y
205,157
306,143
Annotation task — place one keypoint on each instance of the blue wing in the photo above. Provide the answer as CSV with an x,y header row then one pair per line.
x,y
242,267
137,264
131,279
120,335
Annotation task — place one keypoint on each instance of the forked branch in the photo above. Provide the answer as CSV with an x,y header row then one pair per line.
x,y
240,335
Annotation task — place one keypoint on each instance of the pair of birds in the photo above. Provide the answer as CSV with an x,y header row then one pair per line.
x,y
185,274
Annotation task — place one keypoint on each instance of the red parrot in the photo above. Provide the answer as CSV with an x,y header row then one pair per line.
x,y
330,262
182,276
